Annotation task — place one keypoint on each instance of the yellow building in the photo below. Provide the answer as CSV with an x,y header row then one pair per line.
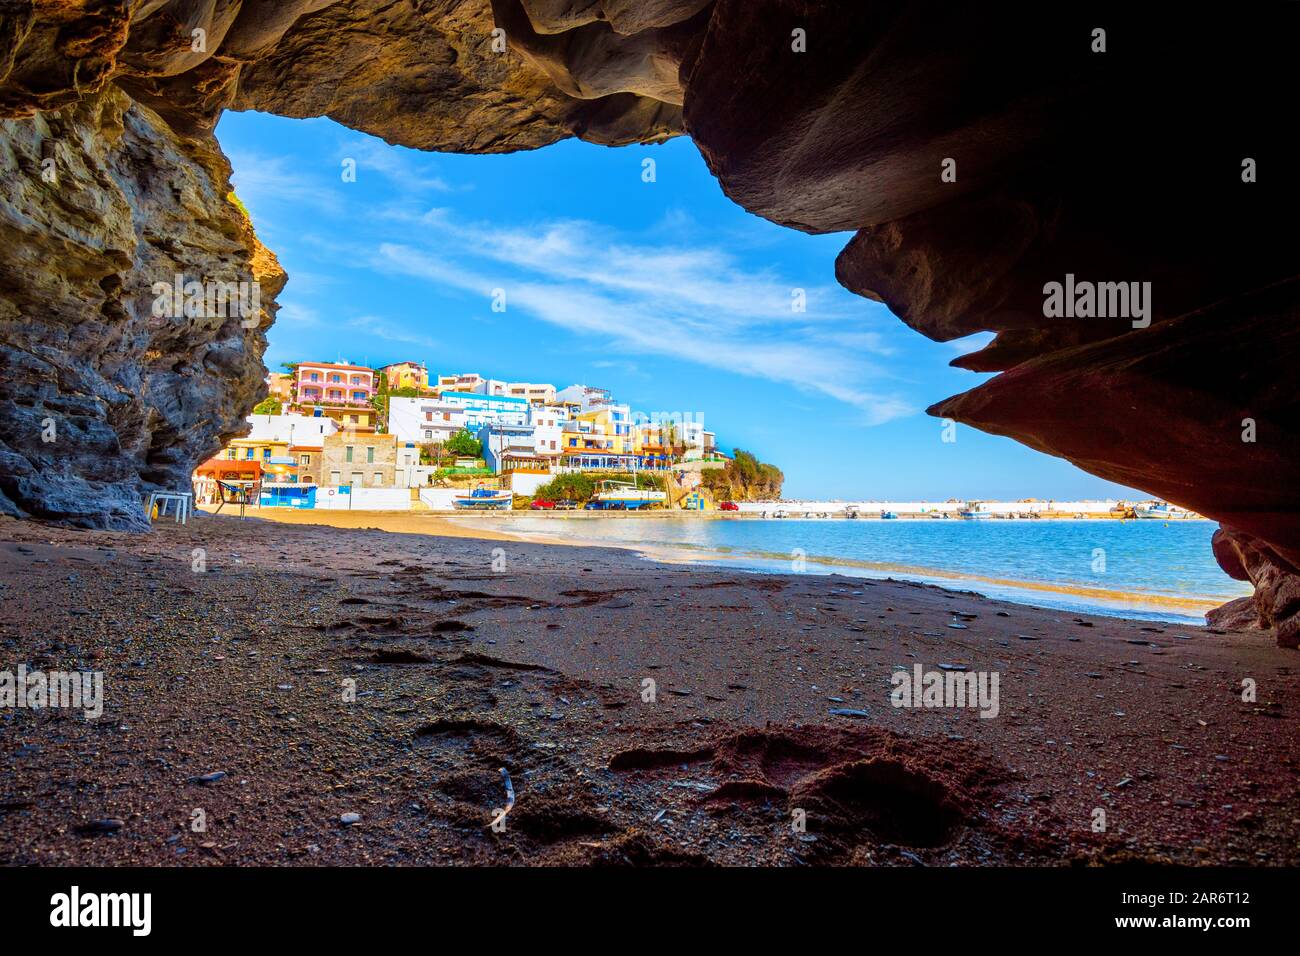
x,y
254,449
406,375
608,429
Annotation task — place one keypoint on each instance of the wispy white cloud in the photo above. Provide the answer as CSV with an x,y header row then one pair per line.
x,y
264,183
690,303
970,343
383,329
295,313
406,169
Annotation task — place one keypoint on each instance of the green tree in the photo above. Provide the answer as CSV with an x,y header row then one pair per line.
x,y
464,444
744,478
268,406
575,486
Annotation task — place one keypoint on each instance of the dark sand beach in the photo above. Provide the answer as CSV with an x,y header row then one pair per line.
x,y
538,667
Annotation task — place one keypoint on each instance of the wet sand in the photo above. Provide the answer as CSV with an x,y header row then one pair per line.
x,y
470,654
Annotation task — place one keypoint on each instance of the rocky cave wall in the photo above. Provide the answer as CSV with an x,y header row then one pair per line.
x,y
1122,164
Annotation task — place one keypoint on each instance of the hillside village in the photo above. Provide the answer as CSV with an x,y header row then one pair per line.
x,y
334,434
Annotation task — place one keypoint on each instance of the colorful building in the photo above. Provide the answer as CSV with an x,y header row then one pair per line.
x,y
336,390
606,428
280,385
406,375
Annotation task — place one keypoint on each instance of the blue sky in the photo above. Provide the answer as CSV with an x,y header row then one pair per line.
x,y
664,292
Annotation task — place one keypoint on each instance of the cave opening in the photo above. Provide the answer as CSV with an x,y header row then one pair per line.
x,y
966,189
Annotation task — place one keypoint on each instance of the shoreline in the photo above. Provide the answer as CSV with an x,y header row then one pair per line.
x,y
469,654
1128,605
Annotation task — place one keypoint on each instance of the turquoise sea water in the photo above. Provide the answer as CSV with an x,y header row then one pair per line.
x,y
1151,569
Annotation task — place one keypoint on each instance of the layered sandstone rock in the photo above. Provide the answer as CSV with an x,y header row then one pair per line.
x,y
978,152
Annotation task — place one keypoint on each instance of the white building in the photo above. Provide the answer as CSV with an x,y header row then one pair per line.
x,y
548,427
503,441
692,436
537,393
423,420
487,386
584,396
408,472
294,429
460,382
480,410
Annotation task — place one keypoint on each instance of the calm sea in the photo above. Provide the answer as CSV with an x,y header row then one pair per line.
x,y
1146,569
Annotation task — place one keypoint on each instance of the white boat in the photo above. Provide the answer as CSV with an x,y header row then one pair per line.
x,y
624,496
974,510
483,499
1160,511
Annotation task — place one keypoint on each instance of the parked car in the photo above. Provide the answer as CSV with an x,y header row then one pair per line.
x,y
728,506
566,504
542,504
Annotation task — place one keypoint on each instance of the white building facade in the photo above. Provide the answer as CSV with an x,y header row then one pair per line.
x,y
294,429
584,396
548,428
424,420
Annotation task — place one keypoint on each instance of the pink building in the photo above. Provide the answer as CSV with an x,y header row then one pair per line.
x,y
320,383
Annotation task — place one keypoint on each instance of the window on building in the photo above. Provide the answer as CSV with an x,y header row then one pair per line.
x,y
335,477
370,453
357,478
347,456
378,479
304,459
355,418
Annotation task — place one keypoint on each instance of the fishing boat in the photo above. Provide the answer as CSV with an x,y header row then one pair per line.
x,y
974,511
624,496
1160,510
483,499
889,515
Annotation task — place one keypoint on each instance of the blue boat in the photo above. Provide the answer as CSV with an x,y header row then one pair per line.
x,y
483,499
889,515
